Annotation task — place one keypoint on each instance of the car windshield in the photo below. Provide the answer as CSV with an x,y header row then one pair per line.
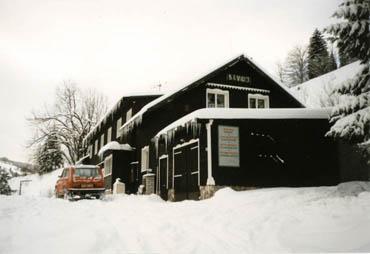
x,y
86,172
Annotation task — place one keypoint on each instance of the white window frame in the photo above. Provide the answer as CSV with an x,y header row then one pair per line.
x,y
96,146
102,140
257,97
118,126
108,165
216,92
109,135
128,114
90,151
144,158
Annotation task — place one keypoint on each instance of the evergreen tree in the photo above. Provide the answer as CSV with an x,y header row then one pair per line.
x,y
4,186
49,155
318,56
332,63
352,119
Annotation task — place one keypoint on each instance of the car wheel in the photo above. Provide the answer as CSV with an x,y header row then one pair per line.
x,y
66,195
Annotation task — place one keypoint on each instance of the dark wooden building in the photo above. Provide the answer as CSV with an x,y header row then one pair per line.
x,y
236,126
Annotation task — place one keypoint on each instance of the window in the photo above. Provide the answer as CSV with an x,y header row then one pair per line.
x,y
108,164
217,98
96,147
145,158
128,114
109,135
102,140
118,125
258,101
90,151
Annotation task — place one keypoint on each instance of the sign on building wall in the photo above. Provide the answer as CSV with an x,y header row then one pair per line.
x,y
228,146
238,78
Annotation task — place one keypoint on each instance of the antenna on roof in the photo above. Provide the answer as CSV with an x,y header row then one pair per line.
x,y
159,87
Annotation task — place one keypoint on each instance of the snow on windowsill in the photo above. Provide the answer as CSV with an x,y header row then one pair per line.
x,y
114,145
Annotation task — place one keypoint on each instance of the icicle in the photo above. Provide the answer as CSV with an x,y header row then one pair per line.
x,y
156,146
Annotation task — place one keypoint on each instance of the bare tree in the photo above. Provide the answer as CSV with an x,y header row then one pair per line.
x,y
73,115
294,71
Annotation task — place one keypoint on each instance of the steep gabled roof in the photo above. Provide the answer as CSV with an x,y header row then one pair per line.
x,y
317,90
169,96
115,107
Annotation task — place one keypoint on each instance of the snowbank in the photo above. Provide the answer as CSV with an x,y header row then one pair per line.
x,y
40,185
323,219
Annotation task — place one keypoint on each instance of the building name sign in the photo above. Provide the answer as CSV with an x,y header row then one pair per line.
x,y
228,146
238,78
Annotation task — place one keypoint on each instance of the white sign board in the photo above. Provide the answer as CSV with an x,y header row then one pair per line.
x,y
228,146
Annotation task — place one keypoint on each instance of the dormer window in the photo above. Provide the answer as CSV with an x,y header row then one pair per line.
x,y
217,98
258,101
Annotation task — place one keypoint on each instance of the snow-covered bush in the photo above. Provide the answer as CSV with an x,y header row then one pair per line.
x,y
4,186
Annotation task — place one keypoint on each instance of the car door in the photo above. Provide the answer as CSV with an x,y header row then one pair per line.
x,y
61,182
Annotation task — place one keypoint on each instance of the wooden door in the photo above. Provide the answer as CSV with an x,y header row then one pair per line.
x,y
186,171
163,167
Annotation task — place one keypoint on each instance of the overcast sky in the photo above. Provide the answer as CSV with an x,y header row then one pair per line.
x,y
121,47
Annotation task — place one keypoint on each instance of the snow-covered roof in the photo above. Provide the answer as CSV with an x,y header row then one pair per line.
x,y
114,145
115,108
138,116
314,91
246,113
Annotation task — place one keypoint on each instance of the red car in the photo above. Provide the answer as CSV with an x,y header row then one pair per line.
x,y
80,181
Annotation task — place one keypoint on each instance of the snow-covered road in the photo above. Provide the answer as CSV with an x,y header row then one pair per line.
x,y
321,219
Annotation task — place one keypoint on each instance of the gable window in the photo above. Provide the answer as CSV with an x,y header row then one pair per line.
x,y
108,164
217,98
118,125
109,135
96,147
258,101
128,114
144,158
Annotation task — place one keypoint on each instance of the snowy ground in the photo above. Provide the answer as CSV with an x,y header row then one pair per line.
x,y
324,219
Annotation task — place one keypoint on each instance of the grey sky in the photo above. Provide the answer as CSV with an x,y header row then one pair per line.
x,y
121,46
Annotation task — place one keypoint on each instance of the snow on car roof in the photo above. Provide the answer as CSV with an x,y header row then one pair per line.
x,y
246,113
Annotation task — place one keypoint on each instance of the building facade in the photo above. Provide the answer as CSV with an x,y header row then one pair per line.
x,y
236,126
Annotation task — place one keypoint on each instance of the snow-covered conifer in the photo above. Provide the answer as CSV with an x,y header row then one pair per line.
x,y
49,155
352,119
318,57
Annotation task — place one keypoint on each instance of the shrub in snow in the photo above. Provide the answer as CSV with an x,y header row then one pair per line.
x,y
352,119
4,186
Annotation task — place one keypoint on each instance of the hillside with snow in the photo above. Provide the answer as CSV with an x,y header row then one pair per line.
x,y
16,168
315,93
321,219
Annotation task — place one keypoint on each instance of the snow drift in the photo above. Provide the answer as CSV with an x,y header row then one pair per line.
x,y
322,219
40,185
